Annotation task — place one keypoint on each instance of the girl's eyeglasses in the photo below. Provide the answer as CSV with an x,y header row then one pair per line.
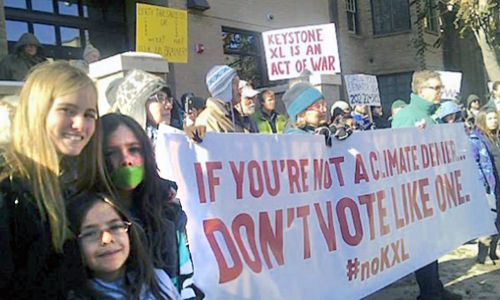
x,y
93,235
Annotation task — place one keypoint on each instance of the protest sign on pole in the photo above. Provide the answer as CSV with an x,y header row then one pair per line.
x,y
362,89
289,52
451,82
272,219
163,31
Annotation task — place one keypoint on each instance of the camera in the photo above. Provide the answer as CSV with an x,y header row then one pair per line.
x,y
270,16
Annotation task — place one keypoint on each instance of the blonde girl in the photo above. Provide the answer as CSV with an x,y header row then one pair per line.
x,y
54,151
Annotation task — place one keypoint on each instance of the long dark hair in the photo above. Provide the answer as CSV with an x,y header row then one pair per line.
x,y
138,263
149,197
480,123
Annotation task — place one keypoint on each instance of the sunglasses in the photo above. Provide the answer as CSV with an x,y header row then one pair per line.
x,y
161,98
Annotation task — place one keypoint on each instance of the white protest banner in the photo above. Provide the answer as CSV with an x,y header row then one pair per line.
x,y
451,82
272,219
362,89
291,51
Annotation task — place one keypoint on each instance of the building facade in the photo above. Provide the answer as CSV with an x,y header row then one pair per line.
x,y
380,37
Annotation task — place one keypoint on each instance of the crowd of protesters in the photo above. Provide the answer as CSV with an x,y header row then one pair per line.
x,y
84,213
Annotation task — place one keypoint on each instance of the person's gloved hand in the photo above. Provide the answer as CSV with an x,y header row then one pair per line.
x,y
195,133
326,132
341,131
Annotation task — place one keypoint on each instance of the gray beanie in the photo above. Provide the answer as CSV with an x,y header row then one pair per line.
x,y
219,82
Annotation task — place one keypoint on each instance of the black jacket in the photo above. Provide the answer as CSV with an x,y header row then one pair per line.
x,y
29,266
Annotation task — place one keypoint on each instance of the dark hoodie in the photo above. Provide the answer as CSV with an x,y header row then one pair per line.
x,y
16,66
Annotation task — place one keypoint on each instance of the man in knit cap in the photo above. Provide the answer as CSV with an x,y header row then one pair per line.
x,y
90,55
223,84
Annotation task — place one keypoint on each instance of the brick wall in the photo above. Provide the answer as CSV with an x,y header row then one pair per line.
x,y
382,54
205,28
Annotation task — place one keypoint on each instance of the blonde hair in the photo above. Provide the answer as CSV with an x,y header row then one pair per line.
x,y
33,156
420,78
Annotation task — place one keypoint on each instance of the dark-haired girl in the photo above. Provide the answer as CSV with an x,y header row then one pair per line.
x,y
131,163
110,244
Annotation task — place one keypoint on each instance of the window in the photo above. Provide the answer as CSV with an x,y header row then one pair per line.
x,y
67,8
66,27
70,37
392,87
15,29
46,34
390,16
243,51
42,5
431,20
15,3
352,16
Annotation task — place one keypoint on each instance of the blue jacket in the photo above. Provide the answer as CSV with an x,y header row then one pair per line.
x,y
116,291
482,156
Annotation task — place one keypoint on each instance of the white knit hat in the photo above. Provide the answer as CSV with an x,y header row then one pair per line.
x,y
89,49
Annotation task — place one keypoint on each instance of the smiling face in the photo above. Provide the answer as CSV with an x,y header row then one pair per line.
x,y
105,257
71,121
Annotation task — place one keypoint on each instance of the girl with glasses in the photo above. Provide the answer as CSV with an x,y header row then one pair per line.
x,y
115,262
54,149
130,161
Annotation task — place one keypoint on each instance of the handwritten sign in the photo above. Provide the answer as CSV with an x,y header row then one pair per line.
x,y
362,89
451,82
289,52
162,31
270,218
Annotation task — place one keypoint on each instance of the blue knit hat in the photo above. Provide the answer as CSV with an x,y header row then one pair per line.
x,y
299,97
219,80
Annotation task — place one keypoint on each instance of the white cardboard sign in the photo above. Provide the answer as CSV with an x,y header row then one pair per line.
x,y
289,52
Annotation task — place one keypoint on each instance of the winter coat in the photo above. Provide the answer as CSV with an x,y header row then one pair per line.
x,y
247,123
264,121
417,110
29,266
17,65
300,130
218,117
447,108
381,123
115,290
482,156
176,258
362,122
